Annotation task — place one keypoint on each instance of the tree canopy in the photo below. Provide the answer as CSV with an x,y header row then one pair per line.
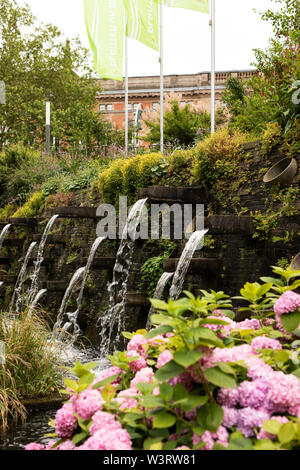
x,y
37,64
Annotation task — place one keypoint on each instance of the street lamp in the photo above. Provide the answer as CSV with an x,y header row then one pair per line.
x,y
48,126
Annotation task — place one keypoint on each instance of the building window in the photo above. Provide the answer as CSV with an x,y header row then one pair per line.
x,y
129,107
102,107
155,106
110,107
135,106
183,103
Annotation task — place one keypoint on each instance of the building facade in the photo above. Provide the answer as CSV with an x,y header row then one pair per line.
x,y
195,89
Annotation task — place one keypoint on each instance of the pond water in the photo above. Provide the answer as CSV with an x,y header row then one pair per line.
x,y
33,430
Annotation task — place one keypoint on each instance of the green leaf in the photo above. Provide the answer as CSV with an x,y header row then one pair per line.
x,y
163,420
264,444
226,368
71,384
162,330
240,443
152,402
210,416
105,382
153,443
219,378
79,437
166,391
193,401
159,304
85,382
297,372
187,358
204,335
287,432
272,426
168,371
290,321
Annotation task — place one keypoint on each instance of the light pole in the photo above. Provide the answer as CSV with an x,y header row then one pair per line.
x,y
48,126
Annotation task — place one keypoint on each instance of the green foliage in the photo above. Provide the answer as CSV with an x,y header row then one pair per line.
x,y
32,365
152,269
217,157
182,126
267,96
33,206
271,137
264,223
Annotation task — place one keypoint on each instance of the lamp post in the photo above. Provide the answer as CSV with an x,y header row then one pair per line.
x,y
48,126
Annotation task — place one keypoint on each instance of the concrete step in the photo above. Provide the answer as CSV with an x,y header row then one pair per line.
x,y
74,212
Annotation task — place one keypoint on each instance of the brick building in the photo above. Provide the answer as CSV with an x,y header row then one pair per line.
x,y
145,91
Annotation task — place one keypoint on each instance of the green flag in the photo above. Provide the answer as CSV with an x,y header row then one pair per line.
x,y
105,27
197,5
142,21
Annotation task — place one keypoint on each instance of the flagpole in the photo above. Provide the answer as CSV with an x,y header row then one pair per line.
x,y
213,65
126,93
161,60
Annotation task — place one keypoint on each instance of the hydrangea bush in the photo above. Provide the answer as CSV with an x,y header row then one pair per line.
x,y
198,380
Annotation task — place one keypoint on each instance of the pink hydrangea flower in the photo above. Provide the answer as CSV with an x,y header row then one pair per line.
x,y
67,445
157,340
237,353
210,438
230,417
137,344
248,324
257,368
263,342
249,419
284,390
184,379
165,357
34,446
228,397
182,448
143,376
253,394
65,421
126,399
102,420
139,363
105,439
87,403
287,303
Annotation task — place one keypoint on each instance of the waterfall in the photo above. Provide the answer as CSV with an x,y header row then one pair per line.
x,y
72,317
20,280
38,297
3,234
163,281
37,264
60,318
118,288
184,262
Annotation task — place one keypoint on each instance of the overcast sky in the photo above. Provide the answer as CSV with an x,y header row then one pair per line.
x,y
186,32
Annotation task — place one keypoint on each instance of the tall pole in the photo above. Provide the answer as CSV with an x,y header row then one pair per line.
x,y
213,65
48,130
161,60
126,93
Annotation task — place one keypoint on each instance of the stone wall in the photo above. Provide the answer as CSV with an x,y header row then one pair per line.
x,y
231,258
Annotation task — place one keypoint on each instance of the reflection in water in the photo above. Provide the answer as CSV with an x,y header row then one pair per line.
x,y
33,430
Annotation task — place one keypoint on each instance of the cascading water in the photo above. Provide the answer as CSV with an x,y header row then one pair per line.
x,y
37,264
184,262
3,234
38,297
60,326
72,317
17,295
158,294
118,288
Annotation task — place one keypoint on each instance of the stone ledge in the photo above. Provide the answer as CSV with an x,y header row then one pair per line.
x,y
229,224
55,239
31,221
183,194
74,212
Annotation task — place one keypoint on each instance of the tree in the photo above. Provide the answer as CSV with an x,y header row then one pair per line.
x,y
37,65
268,94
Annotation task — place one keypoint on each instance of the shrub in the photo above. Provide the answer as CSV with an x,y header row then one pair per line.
x,y
217,156
198,380
33,206
271,137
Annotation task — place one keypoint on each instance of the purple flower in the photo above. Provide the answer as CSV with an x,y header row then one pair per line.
x,y
139,363
263,342
249,419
